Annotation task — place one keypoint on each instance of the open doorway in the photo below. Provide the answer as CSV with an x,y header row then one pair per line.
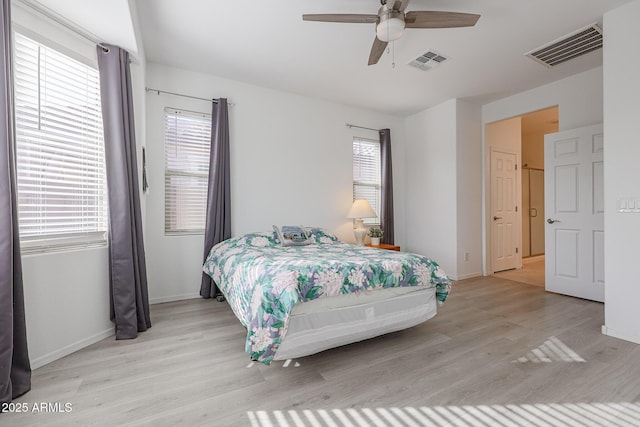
x,y
528,133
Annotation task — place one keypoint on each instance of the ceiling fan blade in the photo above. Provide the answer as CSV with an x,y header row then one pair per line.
x,y
354,18
399,5
426,19
376,51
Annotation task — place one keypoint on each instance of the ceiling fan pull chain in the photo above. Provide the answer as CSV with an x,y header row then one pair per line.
x,y
392,49
393,56
388,48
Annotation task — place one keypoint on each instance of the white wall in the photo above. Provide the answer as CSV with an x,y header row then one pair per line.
x,y
622,175
444,186
431,185
469,190
66,301
138,68
291,163
579,101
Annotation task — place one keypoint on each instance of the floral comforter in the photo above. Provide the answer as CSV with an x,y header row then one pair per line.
x,y
263,281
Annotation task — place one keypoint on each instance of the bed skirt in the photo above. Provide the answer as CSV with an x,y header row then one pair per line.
x,y
324,323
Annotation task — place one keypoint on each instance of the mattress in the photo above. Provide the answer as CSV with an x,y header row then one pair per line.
x,y
266,284
318,325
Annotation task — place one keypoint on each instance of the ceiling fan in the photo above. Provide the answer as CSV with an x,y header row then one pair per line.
x,y
392,20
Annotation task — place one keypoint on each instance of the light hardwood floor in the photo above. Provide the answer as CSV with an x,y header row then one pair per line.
x,y
532,272
480,361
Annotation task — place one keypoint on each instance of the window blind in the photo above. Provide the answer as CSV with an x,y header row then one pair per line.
x,y
60,148
187,145
367,173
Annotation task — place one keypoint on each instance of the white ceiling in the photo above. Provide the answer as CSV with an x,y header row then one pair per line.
x,y
268,44
109,21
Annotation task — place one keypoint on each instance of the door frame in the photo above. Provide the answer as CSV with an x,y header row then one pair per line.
x,y
517,197
488,141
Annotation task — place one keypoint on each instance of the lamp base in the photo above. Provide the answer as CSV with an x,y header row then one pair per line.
x,y
359,232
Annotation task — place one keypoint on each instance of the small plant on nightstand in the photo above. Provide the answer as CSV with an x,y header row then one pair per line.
x,y
375,233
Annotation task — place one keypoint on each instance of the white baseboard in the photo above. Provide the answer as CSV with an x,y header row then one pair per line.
x,y
469,275
71,348
78,345
620,335
173,298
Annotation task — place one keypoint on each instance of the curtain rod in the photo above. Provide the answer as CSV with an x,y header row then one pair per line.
x,y
349,125
158,91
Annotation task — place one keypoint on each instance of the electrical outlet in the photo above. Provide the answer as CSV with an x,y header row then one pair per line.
x,y
466,256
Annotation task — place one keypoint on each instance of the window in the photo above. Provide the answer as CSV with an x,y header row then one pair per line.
x,y
61,180
367,174
187,141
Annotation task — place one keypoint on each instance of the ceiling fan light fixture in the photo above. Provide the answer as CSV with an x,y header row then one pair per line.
x,y
391,26
391,21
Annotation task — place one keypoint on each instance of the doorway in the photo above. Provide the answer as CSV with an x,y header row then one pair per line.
x,y
523,135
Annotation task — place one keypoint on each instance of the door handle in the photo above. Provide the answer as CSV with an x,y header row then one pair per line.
x,y
551,220
495,218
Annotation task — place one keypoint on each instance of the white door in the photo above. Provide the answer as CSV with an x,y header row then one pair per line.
x,y
503,211
574,204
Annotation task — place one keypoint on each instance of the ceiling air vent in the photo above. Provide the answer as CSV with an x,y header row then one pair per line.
x,y
428,60
571,46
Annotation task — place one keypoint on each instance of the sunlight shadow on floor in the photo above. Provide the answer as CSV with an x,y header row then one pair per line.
x,y
552,414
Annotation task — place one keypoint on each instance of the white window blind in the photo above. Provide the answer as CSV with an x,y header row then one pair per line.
x,y
187,144
367,174
60,148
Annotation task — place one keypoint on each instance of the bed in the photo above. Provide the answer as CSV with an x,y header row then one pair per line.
x,y
299,300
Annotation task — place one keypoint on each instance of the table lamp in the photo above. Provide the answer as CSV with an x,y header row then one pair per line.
x,y
360,209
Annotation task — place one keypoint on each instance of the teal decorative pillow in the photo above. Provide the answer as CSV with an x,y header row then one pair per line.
x,y
292,235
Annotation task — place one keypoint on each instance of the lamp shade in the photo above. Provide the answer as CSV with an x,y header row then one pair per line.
x,y
361,209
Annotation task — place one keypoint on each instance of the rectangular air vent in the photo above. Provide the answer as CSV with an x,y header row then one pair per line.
x,y
427,60
571,46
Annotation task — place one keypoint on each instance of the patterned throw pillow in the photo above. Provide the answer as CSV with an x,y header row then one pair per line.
x,y
292,235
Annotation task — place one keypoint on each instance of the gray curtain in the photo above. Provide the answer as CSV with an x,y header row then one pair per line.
x,y
218,214
15,370
386,210
127,266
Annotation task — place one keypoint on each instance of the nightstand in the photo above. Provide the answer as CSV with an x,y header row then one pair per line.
x,y
384,246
